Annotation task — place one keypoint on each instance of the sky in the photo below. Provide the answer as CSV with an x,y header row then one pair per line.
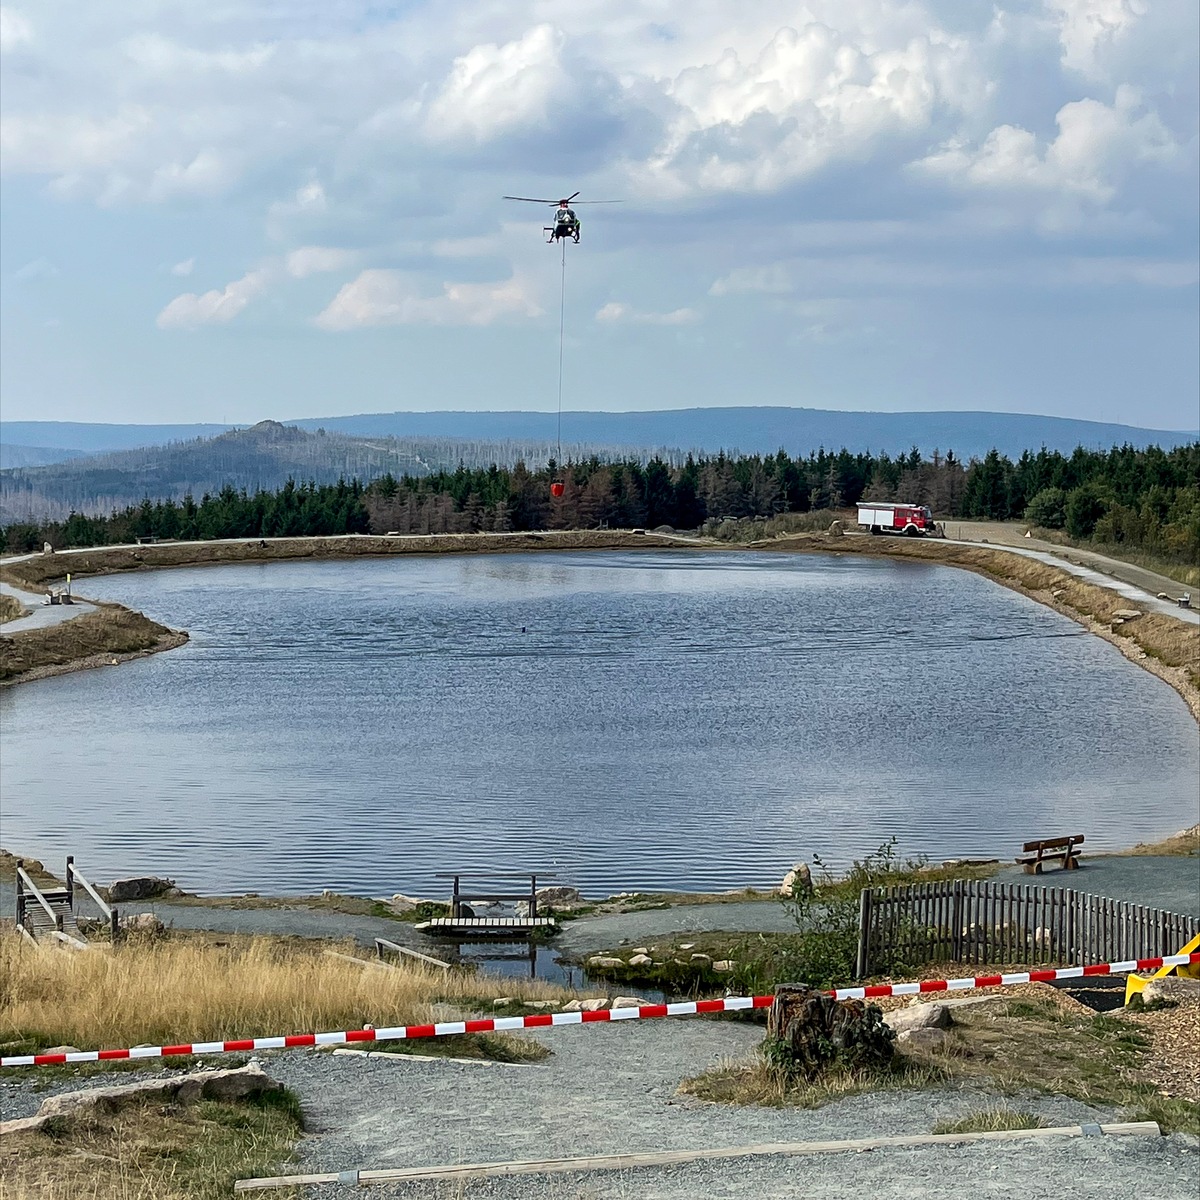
x,y
251,209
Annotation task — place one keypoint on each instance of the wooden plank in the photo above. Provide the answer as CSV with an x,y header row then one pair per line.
x,y
404,950
622,1162
370,963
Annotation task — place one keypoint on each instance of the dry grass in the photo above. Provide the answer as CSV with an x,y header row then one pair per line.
x,y
176,991
1031,1039
152,1153
10,608
992,1119
91,639
755,1081
1182,844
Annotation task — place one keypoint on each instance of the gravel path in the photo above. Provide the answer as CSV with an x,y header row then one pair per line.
x,y
41,615
613,1089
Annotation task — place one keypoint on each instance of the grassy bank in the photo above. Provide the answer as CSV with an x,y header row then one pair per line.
x,y
151,1152
175,989
42,569
91,640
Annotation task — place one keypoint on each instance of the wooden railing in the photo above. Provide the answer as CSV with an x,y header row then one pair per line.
x,y
972,921
25,889
110,914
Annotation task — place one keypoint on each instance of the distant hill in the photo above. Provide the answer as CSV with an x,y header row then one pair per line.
x,y
33,456
261,457
748,430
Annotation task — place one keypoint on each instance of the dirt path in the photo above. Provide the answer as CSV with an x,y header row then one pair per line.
x,y
1012,534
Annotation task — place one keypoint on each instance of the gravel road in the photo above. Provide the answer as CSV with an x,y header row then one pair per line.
x,y
613,1089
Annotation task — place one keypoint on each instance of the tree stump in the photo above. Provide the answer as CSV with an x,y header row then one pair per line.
x,y
808,1033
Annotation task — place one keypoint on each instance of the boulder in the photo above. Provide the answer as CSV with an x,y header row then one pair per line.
x,y
603,962
629,1001
1127,614
723,967
146,923
234,1084
641,960
798,881
140,887
559,897
595,1004
925,1040
836,529
502,1001
1172,988
701,958
401,903
920,1015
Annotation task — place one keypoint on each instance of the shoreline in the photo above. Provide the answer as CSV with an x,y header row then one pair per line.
x,y
1163,645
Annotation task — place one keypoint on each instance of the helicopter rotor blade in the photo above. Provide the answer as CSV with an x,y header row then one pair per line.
x,y
572,197
531,200
600,201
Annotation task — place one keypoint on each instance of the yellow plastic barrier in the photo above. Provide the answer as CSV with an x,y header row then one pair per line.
x,y
1134,984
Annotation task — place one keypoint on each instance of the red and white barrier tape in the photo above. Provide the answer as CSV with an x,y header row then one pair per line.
x,y
541,1020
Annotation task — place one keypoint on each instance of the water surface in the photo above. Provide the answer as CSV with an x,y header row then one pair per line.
x,y
629,720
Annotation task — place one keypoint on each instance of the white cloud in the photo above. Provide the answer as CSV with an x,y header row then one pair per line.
x,y
190,310
495,88
1090,28
386,297
184,268
614,311
312,260
1097,149
15,29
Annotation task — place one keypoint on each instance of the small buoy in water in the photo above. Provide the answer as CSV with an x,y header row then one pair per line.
x,y
522,628
557,489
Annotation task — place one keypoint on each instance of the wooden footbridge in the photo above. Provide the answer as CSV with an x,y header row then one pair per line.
x,y
462,921
50,914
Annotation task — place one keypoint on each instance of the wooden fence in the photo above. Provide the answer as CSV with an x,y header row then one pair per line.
x,y
973,921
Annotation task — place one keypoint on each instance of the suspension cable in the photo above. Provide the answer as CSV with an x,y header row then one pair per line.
x,y
562,310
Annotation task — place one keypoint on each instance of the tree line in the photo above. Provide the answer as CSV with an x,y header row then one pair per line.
x,y
1146,499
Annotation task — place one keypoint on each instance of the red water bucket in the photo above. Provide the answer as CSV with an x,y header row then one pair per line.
x,y
557,489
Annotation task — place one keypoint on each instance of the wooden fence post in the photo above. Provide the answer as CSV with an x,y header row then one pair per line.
x,y
863,959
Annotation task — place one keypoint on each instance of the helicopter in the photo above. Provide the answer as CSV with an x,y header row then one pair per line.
x,y
566,223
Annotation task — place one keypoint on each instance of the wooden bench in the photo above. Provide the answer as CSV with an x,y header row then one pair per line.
x,y
1034,855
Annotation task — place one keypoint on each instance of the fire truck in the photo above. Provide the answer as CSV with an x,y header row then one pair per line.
x,y
915,520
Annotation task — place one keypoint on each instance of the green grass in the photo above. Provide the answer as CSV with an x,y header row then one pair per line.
x,y
990,1120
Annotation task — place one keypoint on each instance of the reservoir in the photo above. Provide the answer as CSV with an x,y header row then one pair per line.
x,y
631,721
